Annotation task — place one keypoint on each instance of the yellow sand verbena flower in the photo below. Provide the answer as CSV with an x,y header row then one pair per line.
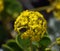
x,y
33,17
34,22
27,34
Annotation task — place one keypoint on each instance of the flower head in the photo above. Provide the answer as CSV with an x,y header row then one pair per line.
x,y
34,22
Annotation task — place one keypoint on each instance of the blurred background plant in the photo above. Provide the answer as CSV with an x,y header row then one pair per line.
x,y
8,12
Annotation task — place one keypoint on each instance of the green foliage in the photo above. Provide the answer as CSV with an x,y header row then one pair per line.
x,y
45,41
26,44
42,44
11,45
13,7
23,43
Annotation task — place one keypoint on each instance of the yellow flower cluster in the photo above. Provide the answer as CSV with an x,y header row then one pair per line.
x,y
1,5
34,22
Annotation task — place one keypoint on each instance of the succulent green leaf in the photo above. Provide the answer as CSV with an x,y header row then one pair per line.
x,y
36,44
23,43
45,41
14,45
13,8
6,48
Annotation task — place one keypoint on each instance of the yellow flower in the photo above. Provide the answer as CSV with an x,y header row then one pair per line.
x,y
24,21
1,5
30,33
35,23
27,34
24,36
17,20
35,38
33,17
32,38
40,22
38,30
25,13
38,14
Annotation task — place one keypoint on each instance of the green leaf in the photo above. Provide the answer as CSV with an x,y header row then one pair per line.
x,y
23,43
36,44
13,45
6,48
12,7
45,41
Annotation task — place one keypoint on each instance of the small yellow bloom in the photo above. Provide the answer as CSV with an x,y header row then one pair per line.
x,y
27,34
33,17
30,33
38,14
24,36
24,21
17,20
35,23
25,13
38,30
32,38
35,38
